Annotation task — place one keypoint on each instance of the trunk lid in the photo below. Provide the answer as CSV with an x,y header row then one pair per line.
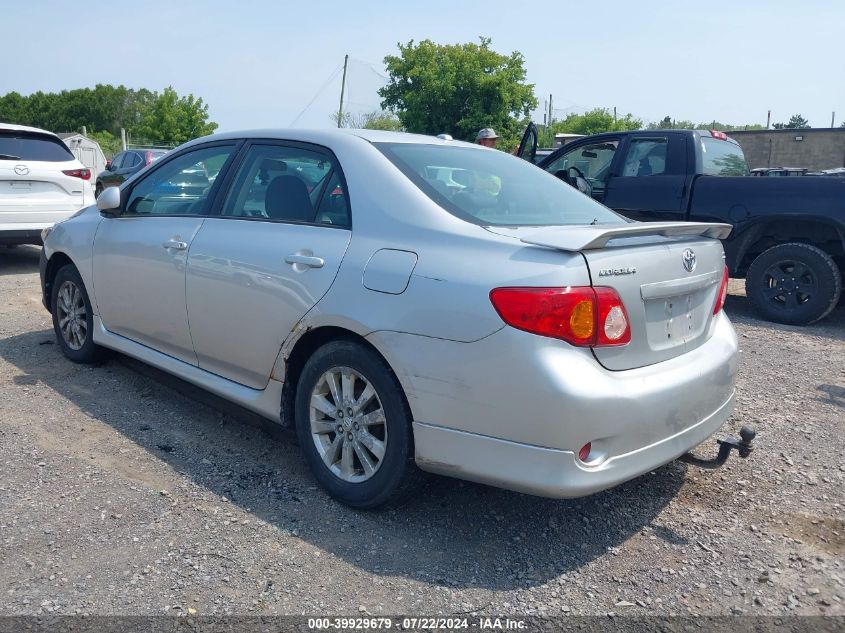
x,y
667,274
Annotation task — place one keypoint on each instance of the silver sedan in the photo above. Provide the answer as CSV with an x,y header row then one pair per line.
x,y
406,304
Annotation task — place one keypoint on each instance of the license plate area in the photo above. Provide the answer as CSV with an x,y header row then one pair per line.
x,y
672,321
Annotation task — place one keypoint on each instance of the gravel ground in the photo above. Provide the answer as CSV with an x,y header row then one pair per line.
x,y
126,491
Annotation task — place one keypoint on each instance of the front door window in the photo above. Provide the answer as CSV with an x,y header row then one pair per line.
x,y
592,160
180,186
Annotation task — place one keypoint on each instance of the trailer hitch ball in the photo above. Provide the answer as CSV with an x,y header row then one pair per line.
x,y
742,445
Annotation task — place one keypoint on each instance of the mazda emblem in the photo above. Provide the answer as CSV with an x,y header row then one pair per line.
x,y
689,260
21,170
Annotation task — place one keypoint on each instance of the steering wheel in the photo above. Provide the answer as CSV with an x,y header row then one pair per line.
x,y
577,179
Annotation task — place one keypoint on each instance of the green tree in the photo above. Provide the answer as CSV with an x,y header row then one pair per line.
x,y
369,121
797,122
668,123
595,121
458,89
165,117
107,141
171,119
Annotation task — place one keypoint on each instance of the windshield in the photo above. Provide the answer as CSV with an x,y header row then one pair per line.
x,y
722,158
36,147
492,188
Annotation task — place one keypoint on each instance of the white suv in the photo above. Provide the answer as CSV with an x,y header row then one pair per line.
x,y
41,183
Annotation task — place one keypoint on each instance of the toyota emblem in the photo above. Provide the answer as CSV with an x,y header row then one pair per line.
x,y
689,260
21,170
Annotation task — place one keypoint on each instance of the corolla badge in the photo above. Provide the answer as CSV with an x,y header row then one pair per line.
x,y
627,270
689,260
21,170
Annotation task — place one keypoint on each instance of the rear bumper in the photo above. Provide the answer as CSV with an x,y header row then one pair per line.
x,y
549,472
513,409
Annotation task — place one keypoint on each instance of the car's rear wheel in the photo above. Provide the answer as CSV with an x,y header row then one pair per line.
x,y
73,319
354,426
793,283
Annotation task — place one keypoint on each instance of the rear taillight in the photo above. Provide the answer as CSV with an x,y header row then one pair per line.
x,y
723,292
581,315
720,135
85,174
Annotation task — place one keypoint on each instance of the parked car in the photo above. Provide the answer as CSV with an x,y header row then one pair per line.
x,y
41,182
124,165
336,282
788,238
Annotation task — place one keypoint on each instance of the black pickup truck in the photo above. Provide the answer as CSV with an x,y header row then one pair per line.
x,y
788,240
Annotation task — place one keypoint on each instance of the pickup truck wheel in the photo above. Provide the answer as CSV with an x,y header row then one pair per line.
x,y
793,283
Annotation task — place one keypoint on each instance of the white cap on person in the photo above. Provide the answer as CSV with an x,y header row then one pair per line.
x,y
487,132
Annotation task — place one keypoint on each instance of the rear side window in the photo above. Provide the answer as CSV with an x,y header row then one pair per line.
x,y
722,158
646,156
288,184
26,146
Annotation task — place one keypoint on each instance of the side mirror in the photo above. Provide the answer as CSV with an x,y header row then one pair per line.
x,y
109,165
109,201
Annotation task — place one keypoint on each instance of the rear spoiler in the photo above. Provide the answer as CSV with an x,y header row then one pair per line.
x,y
585,238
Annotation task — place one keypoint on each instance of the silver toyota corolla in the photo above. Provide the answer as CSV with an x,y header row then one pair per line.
x,y
407,303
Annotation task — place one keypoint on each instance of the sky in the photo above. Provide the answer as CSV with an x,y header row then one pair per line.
x,y
277,64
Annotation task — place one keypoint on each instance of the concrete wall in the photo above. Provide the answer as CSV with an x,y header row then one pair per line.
x,y
821,148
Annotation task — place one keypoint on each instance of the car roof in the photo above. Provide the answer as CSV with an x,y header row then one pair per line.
x,y
11,127
327,135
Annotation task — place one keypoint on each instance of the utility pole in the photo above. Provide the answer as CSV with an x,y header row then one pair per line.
x,y
769,120
833,119
342,88
550,109
614,114
545,112
123,139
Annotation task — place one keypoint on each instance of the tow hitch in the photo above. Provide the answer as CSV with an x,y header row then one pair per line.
x,y
742,446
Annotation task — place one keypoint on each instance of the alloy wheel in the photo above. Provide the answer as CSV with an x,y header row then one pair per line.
x,y
348,424
789,283
73,315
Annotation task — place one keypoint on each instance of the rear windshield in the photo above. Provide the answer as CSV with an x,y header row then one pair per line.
x,y
25,146
491,188
722,158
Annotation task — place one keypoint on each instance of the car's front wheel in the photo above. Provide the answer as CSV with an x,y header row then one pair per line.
x,y
354,426
793,283
73,319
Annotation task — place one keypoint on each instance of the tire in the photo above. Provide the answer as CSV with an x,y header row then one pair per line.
x,y
69,300
365,461
793,283
98,190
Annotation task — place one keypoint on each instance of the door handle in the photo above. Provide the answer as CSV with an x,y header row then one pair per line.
x,y
176,245
306,260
